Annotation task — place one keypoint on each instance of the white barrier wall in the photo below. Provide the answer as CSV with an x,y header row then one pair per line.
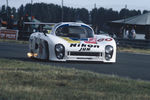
x,y
9,34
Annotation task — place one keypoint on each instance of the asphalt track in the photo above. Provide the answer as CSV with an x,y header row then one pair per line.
x,y
135,66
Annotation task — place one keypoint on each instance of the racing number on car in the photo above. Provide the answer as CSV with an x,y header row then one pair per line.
x,y
102,39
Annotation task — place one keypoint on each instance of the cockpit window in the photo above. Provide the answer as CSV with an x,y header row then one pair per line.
x,y
79,32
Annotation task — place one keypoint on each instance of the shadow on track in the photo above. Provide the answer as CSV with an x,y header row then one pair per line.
x,y
49,62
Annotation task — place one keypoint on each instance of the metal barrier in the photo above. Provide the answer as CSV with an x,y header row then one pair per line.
x,y
24,35
142,44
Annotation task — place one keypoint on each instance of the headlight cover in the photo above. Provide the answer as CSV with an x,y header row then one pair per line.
x,y
108,52
59,51
59,48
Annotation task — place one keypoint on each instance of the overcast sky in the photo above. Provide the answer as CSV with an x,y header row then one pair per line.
x,y
89,4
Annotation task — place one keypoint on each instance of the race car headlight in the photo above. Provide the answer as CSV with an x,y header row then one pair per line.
x,y
59,51
59,48
108,52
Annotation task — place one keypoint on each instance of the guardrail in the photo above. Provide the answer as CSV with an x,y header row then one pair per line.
x,y
142,44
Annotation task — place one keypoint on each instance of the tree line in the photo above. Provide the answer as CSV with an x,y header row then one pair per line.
x,y
52,13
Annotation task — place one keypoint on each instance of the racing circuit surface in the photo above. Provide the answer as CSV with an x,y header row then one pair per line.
x,y
135,66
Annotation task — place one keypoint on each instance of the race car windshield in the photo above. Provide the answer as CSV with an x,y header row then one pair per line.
x,y
78,32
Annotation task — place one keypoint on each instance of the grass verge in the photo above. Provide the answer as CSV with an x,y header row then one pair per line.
x,y
14,41
31,81
134,50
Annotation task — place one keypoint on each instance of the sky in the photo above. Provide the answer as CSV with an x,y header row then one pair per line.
x,y
88,4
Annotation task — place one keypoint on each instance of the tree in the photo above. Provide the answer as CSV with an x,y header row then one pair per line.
x,y
20,11
94,16
3,13
82,15
145,11
14,13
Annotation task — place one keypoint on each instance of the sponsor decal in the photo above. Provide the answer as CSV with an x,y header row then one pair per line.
x,y
102,39
91,41
108,39
84,47
87,40
70,40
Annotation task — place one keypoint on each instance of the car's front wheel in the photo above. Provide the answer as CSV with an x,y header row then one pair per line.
x,y
46,50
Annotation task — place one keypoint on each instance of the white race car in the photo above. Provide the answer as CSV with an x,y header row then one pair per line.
x,y
72,41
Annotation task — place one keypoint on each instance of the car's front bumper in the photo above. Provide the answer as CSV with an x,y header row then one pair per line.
x,y
84,56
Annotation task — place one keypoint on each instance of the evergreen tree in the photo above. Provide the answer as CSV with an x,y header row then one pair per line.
x,y
20,11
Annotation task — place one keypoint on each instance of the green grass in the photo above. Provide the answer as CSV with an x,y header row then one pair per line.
x,y
31,81
14,41
134,50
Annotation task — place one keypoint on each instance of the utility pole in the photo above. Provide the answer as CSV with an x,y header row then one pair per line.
x,y
62,12
125,14
7,10
95,5
31,9
124,26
